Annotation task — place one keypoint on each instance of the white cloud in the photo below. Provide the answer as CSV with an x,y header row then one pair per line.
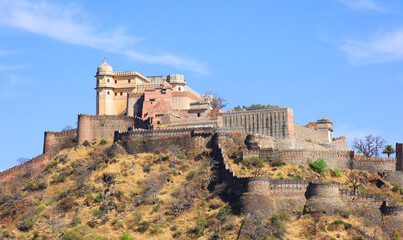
x,y
364,5
71,25
12,67
383,47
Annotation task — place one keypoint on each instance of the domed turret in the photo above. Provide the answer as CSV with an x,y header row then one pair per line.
x,y
104,69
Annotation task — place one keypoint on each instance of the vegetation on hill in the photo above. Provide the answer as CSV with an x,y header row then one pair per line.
x,y
96,191
255,107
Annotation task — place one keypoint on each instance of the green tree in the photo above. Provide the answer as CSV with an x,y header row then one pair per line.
x,y
388,150
319,166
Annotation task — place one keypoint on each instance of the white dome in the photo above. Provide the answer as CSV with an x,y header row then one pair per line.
x,y
104,69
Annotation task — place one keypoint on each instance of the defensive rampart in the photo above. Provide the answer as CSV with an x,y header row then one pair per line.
x,y
102,126
35,163
275,122
189,140
373,165
53,141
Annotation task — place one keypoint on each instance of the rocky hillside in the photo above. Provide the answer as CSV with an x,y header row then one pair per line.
x,y
97,191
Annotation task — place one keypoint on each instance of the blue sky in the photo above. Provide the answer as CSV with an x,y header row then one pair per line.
x,y
336,58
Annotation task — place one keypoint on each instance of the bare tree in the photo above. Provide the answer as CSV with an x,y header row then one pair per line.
x,y
217,102
369,146
357,178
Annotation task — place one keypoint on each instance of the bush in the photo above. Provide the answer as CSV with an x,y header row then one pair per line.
x,y
198,230
143,226
319,166
182,155
26,224
157,228
277,163
99,213
103,142
345,213
81,232
224,212
396,188
335,172
99,198
86,143
165,158
127,236
338,225
190,175
298,177
280,175
277,225
58,178
66,204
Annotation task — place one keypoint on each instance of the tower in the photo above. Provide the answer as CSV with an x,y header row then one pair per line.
x,y
104,89
399,156
325,125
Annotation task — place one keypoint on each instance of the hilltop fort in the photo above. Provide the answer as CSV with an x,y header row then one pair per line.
x,y
147,114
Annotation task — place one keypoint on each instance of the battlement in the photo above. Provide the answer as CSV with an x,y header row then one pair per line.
x,y
106,117
324,190
368,197
62,133
36,162
339,138
375,160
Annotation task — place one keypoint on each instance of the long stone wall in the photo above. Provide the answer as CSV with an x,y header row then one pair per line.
x,y
37,163
103,126
278,123
52,140
189,140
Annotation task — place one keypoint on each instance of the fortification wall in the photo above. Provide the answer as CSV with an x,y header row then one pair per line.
x,y
35,163
339,159
373,165
399,156
103,126
53,141
324,197
278,123
190,140
395,177
310,134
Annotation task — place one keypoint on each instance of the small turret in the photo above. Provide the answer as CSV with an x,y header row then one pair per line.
x,y
325,125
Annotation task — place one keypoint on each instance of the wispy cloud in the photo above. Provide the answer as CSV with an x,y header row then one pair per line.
x,y
68,23
364,5
12,67
383,47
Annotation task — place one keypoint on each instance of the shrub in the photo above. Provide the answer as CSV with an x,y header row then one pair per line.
x,y
127,236
26,224
156,208
75,221
242,171
345,213
198,230
224,212
58,178
182,155
277,163
298,177
174,228
66,204
319,166
362,190
143,226
165,158
99,198
99,213
335,172
280,175
396,188
81,232
338,225
277,225
157,228
190,175
86,143
103,141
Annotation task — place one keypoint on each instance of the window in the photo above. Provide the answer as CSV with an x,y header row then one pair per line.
x,y
108,92
198,114
179,88
129,81
116,81
121,93
107,80
116,93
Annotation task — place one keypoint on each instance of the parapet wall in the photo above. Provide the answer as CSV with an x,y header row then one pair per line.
x,y
373,165
35,163
339,159
52,140
102,126
190,140
277,123
309,134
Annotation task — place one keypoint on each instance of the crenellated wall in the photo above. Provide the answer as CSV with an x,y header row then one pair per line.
x,y
37,163
101,126
52,140
373,165
189,140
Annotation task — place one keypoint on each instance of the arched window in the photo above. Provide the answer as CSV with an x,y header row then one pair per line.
x,y
129,81
107,80
116,81
179,88
116,93
121,93
108,92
